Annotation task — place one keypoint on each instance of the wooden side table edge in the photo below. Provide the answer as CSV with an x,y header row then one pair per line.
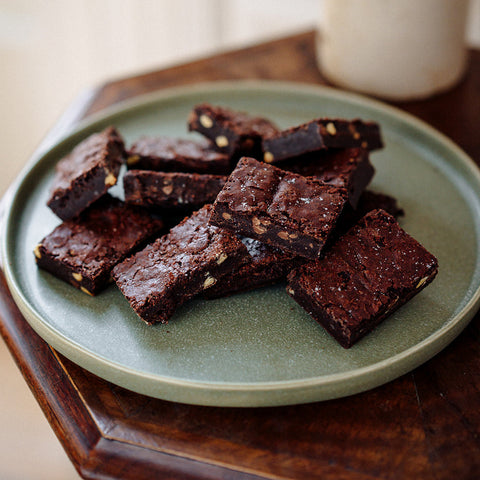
x,y
35,360
71,420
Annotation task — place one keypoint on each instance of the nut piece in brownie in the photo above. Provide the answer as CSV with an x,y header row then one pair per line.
x,y
267,266
371,271
234,133
86,173
177,266
288,211
321,134
83,251
349,168
177,155
173,191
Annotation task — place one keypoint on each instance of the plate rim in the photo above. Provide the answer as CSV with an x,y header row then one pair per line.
x,y
83,356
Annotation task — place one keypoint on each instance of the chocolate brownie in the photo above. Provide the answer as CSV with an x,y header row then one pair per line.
x,y
175,191
370,200
234,133
370,272
177,155
349,168
267,265
86,173
320,134
178,266
83,251
288,211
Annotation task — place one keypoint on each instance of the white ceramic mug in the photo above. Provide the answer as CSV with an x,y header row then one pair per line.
x,y
395,49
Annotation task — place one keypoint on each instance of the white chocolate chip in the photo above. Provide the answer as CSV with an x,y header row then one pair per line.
x,y
77,276
221,141
209,281
221,258
268,157
330,127
291,291
206,121
37,252
226,216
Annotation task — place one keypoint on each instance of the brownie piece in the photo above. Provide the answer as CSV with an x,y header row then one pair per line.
x,y
234,133
177,266
86,173
370,200
321,134
177,155
267,265
83,251
282,209
175,191
370,272
349,168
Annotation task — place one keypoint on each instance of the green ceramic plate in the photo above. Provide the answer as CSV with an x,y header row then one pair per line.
x,y
259,348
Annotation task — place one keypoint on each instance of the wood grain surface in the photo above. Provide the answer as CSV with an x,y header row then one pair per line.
x,y
425,424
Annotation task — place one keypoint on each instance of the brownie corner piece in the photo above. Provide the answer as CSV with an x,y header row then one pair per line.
x,y
369,273
82,251
232,132
177,266
86,173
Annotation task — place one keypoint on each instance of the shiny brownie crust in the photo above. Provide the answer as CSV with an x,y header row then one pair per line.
x,y
285,210
370,272
178,266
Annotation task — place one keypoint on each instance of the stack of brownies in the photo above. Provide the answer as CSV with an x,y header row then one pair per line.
x,y
260,205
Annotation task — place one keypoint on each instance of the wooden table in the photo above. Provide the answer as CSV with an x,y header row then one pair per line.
x,y
425,424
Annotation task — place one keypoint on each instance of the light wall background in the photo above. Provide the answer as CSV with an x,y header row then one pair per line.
x,y
51,50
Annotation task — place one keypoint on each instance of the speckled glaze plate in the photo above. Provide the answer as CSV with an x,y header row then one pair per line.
x,y
259,348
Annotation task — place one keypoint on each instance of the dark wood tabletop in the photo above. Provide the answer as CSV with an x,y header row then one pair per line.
x,y
425,424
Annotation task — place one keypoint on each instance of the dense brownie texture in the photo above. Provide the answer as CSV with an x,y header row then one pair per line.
x,y
86,173
83,251
349,168
267,265
370,272
177,266
177,155
288,211
321,134
368,201
234,133
171,191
